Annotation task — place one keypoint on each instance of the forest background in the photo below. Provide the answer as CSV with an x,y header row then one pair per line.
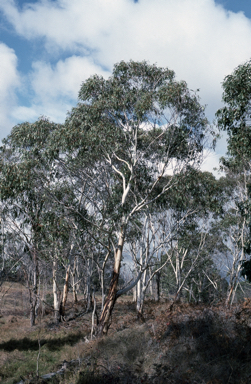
x,y
120,182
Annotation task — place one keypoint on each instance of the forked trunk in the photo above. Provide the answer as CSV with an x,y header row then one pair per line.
x,y
229,295
105,318
231,286
237,262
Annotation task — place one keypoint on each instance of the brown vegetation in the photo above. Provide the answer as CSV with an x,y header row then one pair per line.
x,y
190,344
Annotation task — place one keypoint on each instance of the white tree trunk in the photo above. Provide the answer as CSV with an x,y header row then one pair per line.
x,y
55,292
236,266
88,284
74,283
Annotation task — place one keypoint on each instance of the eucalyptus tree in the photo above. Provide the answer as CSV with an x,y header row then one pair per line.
x,y
57,247
235,119
125,134
192,207
41,200
232,228
151,246
145,247
23,167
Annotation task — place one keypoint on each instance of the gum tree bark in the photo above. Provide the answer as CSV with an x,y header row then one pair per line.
x,y
55,292
33,289
74,282
105,318
121,139
66,283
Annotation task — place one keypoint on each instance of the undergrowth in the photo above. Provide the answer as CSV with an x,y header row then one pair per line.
x,y
192,344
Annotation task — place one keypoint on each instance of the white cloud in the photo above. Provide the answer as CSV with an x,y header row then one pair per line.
x,y
211,161
9,81
64,79
55,88
200,40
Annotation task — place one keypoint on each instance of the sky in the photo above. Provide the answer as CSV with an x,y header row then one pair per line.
x,y
49,47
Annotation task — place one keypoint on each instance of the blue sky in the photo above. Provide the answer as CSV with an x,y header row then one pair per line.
x,y
48,47
237,6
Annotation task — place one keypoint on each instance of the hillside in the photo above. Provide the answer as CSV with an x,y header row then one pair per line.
x,y
191,344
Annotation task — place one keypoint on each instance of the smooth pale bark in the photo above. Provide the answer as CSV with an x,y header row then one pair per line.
x,y
151,283
134,294
202,243
102,275
55,292
74,284
141,285
236,266
141,292
201,287
102,289
148,249
65,290
34,288
141,289
178,274
44,292
105,318
238,237
234,279
88,285
177,268
93,314
66,284
232,287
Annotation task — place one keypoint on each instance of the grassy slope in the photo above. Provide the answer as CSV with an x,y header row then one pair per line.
x,y
191,344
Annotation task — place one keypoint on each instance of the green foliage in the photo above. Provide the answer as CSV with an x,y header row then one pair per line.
x,y
109,163
232,117
128,118
195,190
23,169
110,111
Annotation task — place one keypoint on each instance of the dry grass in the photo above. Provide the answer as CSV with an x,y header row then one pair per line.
x,y
191,344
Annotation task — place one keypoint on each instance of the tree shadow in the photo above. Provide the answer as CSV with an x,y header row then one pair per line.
x,y
26,344
207,350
